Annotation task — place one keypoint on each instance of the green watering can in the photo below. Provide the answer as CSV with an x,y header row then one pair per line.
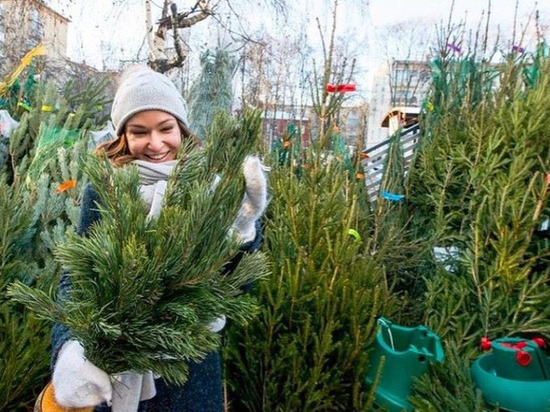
x,y
406,353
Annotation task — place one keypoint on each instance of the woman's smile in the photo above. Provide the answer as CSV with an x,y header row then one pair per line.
x,y
153,135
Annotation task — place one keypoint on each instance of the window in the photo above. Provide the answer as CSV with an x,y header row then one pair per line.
x,y
402,76
36,24
425,75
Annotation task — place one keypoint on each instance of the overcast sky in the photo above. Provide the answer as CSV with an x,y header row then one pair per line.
x,y
502,11
107,24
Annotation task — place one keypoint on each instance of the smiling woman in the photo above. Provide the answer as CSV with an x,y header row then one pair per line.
x,y
154,136
150,119
149,116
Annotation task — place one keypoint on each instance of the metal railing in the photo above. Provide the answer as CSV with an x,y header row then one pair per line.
x,y
374,158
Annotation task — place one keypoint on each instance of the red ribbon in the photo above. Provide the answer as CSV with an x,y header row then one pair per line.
x,y
341,88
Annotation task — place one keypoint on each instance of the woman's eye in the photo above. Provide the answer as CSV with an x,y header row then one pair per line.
x,y
138,133
167,129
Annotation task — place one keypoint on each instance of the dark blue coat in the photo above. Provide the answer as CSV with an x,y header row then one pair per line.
x,y
203,390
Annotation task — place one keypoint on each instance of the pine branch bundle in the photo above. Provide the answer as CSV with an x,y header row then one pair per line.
x,y
143,291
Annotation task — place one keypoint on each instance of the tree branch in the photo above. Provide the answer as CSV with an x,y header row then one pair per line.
x,y
174,21
198,13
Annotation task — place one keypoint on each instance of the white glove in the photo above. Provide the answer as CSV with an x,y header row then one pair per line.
x,y
77,382
217,325
254,201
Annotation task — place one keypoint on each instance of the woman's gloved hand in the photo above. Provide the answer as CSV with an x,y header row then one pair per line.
x,y
218,324
77,382
254,202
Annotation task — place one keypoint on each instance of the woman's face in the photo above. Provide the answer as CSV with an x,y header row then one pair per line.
x,y
153,135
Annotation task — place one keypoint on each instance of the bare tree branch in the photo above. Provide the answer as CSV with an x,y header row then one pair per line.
x,y
198,13
174,20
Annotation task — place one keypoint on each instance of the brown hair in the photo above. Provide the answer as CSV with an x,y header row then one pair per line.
x,y
117,151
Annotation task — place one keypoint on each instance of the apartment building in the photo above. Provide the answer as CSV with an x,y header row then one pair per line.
x,y
276,123
399,87
352,124
26,23
409,82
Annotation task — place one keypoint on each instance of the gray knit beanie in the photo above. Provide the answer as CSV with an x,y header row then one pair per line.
x,y
144,89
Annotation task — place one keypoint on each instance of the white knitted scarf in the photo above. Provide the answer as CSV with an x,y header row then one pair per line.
x,y
153,178
150,173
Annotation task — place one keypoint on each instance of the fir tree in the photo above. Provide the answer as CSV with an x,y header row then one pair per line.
x,y
212,91
40,184
480,184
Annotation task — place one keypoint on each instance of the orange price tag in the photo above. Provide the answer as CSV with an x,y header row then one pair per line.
x,y
66,185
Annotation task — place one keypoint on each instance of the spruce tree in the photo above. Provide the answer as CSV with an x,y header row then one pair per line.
x,y
212,91
24,341
403,248
308,349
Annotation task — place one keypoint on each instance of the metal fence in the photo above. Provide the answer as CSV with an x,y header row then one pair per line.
x,y
374,158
